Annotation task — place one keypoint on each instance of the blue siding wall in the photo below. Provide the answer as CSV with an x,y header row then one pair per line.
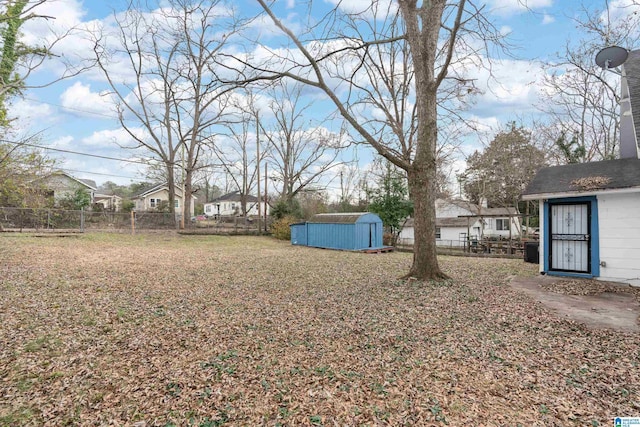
x,y
365,233
336,236
299,234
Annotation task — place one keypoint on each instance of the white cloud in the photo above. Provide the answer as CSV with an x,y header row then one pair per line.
x,y
63,141
508,8
31,115
548,19
110,138
60,33
366,8
79,99
511,88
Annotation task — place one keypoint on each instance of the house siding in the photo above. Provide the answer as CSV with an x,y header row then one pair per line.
x,y
143,203
63,187
619,237
211,208
450,236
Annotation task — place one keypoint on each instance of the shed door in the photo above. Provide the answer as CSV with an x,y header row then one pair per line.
x,y
570,239
372,235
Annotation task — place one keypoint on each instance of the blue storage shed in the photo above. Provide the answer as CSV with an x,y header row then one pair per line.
x,y
348,231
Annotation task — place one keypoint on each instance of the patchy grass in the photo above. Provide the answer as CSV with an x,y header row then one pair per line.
x,y
203,330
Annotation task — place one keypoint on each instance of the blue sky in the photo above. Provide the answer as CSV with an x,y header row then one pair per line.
x,y
73,115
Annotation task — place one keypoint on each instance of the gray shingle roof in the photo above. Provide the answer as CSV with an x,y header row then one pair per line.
x,y
89,182
234,197
632,69
605,175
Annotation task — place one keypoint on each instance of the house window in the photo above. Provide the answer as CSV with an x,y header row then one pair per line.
x,y
502,224
438,233
152,203
207,208
176,203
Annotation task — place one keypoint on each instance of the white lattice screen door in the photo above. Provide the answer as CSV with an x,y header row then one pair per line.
x,y
570,239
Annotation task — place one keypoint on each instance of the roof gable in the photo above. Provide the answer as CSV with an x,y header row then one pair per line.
x,y
585,177
160,187
234,196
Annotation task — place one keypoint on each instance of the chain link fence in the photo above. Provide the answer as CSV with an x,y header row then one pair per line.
x,y
59,220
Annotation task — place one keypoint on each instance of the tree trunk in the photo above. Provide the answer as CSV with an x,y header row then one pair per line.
x,y
171,187
425,260
423,39
187,197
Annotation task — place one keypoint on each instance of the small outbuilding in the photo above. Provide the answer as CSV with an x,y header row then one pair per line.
x,y
347,231
589,223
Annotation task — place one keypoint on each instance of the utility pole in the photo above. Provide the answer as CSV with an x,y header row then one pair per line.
x,y
258,169
265,196
183,195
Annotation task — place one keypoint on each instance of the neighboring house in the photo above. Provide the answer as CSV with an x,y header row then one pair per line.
x,y
61,185
458,221
231,204
109,202
156,198
589,222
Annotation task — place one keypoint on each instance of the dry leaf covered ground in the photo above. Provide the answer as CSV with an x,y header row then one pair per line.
x,y
244,331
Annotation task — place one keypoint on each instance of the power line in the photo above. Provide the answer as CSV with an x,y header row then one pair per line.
x,y
102,174
141,162
70,108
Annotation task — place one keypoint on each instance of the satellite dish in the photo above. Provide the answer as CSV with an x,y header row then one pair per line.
x,y
611,57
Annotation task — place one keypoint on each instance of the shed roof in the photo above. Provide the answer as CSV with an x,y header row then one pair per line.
x,y
338,218
585,177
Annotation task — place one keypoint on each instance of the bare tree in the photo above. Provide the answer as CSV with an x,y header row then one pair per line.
x,y
349,175
582,99
162,76
436,34
240,156
300,153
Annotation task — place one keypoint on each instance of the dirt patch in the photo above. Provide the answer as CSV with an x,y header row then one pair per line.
x,y
599,305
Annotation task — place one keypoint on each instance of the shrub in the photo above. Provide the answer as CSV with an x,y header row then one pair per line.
x,y
280,228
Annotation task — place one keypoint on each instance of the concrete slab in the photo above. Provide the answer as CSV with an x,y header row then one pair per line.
x,y
609,310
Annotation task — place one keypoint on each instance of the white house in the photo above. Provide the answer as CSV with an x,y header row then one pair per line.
x,y
458,221
231,205
589,222
155,198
